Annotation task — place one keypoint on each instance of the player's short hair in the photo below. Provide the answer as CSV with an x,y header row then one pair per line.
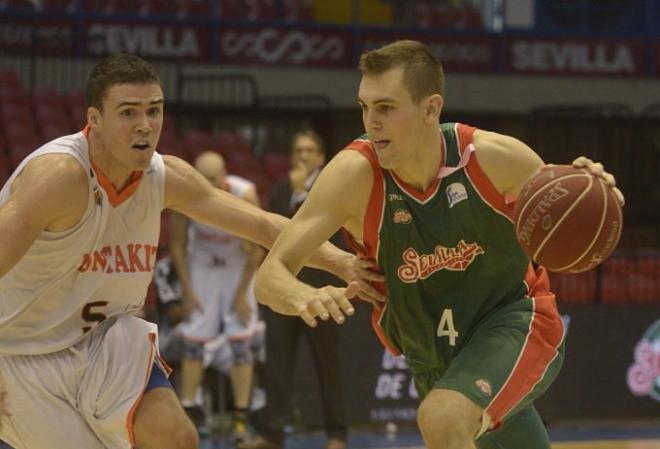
x,y
311,134
422,70
117,69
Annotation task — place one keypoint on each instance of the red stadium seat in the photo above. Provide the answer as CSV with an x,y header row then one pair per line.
x,y
574,288
229,142
11,115
243,162
75,99
298,10
276,166
47,98
196,142
194,8
230,9
10,78
170,143
261,10
615,274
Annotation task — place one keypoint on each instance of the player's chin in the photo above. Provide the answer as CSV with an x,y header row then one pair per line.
x,y
143,158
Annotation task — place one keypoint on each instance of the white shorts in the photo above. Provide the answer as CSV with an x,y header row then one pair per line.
x,y
83,396
216,287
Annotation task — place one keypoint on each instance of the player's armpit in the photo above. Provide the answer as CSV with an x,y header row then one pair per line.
x,y
50,194
506,161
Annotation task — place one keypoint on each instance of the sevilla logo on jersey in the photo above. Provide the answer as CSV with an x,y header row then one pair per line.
x,y
131,258
420,266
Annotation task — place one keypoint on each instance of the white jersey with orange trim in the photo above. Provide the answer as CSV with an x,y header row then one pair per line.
x,y
68,282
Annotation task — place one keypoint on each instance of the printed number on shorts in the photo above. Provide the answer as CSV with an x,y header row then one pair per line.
x,y
446,327
92,316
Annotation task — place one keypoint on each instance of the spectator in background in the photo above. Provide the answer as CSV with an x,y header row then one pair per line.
x,y
283,332
216,271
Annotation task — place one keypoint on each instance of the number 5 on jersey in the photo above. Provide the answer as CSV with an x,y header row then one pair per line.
x,y
446,327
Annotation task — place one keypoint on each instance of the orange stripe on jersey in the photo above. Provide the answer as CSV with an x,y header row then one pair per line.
x,y
371,231
116,198
131,412
545,334
479,179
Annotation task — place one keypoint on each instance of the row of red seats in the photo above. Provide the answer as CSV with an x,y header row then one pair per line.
x,y
29,120
430,14
622,279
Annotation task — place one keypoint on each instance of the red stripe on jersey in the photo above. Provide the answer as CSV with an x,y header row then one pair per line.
x,y
478,178
374,214
545,334
371,230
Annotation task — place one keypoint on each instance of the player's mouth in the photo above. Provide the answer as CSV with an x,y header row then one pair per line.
x,y
381,144
141,145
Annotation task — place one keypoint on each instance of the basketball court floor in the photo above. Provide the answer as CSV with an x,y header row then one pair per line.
x,y
619,436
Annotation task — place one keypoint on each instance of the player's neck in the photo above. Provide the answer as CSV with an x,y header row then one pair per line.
x,y
422,168
118,175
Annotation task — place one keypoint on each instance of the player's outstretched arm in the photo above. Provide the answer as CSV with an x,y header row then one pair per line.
x,y
339,195
189,193
50,194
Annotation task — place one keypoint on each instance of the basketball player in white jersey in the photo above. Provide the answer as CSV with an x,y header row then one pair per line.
x,y
216,272
79,225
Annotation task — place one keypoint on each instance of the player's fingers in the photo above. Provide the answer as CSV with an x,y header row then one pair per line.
x,y
333,308
371,292
582,161
307,317
619,196
609,179
351,289
369,275
316,307
596,169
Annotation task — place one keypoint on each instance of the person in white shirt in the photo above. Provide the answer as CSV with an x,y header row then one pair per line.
x,y
79,225
216,272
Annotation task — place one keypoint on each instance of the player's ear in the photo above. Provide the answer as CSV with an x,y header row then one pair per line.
x,y
93,116
433,108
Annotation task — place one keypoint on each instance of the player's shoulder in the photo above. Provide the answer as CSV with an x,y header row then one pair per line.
x,y
351,162
58,170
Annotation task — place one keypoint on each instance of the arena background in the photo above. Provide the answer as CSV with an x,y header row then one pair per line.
x,y
566,77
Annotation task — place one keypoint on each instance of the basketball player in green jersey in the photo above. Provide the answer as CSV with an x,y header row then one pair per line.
x,y
430,205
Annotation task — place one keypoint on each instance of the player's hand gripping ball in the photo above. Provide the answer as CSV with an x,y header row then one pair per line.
x,y
569,219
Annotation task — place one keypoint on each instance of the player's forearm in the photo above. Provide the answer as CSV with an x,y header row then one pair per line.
x,y
328,257
333,260
277,287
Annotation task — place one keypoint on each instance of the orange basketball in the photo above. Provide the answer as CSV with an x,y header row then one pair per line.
x,y
567,219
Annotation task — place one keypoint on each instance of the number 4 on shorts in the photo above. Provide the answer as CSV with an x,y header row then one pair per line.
x,y
446,327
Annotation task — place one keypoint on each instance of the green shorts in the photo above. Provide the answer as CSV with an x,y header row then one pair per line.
x,y
509,361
